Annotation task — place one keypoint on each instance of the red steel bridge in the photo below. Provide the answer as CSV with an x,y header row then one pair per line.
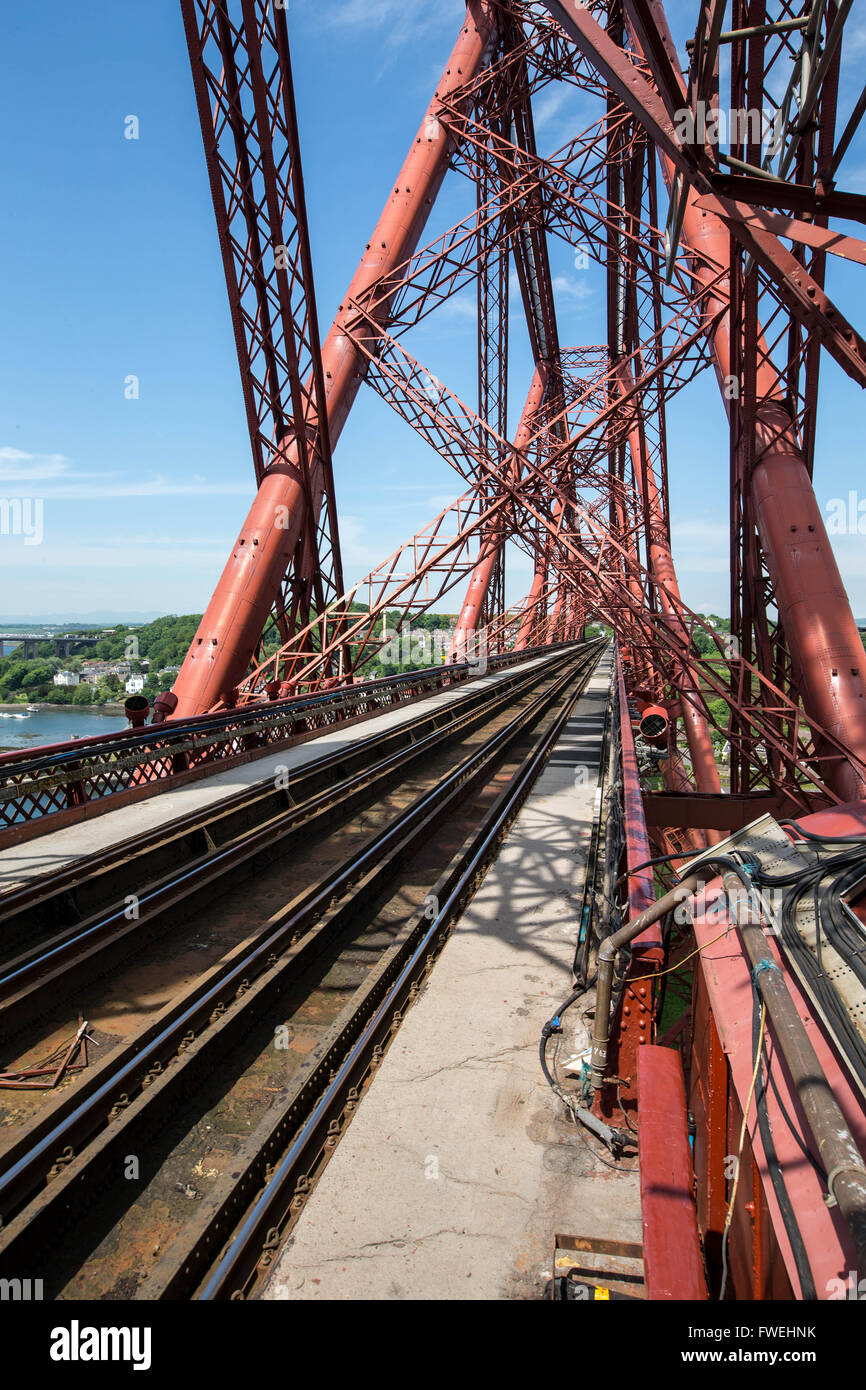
x,y
713,257
711,200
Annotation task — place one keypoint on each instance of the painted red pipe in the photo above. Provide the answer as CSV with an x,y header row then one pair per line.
x,y
136,709
813,606
479,583
527,622
251,581
653,723
641,884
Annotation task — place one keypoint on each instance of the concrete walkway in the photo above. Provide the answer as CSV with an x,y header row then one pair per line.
x,y
459,1166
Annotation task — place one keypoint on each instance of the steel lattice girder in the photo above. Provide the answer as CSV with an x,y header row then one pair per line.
x,y
599,558
239,56
592,548
252,579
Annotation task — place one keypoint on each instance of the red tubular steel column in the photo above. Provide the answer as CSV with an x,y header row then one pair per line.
x,y
526,624
252,578
661,563
480,581
814,610
556,615
640,884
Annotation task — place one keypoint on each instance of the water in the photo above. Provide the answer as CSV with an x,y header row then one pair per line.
x,y
54,726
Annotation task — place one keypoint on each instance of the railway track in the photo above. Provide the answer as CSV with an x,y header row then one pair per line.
x,y
65,927
175,1166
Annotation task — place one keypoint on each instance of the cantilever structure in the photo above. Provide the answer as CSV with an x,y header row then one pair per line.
x,y
534,806
714,252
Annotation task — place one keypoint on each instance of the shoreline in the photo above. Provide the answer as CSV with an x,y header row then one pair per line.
x,y
115,708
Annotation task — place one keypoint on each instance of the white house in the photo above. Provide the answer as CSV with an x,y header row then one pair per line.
x,y
134,685
66,678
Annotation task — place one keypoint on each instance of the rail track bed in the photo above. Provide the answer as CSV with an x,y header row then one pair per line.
x,y
241,1011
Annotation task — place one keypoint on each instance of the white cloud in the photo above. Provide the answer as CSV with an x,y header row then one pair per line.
x,y
58,479
577,290
546,107
158,486
405,21
460,306
360,556
118,555
853,40
18,466
700,546
439,502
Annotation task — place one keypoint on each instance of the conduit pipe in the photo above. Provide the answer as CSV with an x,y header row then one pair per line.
x,y
838,1152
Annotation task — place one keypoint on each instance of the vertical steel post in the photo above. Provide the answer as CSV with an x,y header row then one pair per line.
x,y
473,603
814,610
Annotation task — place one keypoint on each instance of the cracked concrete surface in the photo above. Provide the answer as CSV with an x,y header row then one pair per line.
x,y
459,1165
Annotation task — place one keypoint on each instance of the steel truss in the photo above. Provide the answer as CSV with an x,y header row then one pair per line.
x,y
691,233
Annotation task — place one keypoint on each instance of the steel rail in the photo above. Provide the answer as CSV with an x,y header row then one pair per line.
x,y
74,956
82,776
54,895
253,1246
222,1001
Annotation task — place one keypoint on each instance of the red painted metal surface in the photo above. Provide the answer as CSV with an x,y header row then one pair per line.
x,y
633,1023
241,67
581,490
761,1261
814,613
641,887
664,574
673,1264
584,489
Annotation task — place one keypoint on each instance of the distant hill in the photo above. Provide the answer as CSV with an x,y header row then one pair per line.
x,y
103,618
162,644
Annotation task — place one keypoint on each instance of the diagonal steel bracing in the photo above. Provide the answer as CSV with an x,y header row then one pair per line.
x,y
583,486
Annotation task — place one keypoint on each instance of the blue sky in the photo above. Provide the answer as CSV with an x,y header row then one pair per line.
x,y
112,268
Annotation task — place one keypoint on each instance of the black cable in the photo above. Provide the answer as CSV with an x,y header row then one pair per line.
x,y
825,881
553,1025
795,1235
802,883
795,1133
823,839
822,867
659,859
